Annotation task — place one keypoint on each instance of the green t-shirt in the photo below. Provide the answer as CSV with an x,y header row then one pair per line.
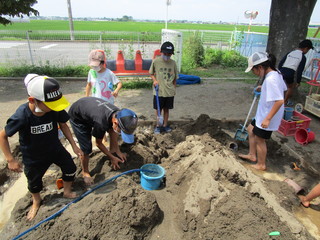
x,y
165,72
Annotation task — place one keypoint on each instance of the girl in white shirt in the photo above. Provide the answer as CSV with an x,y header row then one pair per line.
x,y
270,108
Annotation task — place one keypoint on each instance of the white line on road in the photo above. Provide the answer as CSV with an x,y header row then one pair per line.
x,y
50,46
10,45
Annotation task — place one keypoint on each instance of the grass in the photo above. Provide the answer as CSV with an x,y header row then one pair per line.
x,y
218,71
63,25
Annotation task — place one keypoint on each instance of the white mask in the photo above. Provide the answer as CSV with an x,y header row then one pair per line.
x,y
37,109
166,58
97,68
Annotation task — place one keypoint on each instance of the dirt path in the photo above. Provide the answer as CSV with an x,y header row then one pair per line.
x,y
210,193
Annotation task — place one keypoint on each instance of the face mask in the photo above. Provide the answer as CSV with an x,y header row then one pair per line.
x,y
37,109
166,58
115,130
97,69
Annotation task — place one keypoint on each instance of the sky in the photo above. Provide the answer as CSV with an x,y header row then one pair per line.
x,y
192,10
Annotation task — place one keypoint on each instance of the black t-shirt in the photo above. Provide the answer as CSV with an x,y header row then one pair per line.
x,y
94,113
38,136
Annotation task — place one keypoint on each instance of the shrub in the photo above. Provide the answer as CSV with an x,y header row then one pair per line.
x,y
212,56
233,59
226,58
193,52
49,70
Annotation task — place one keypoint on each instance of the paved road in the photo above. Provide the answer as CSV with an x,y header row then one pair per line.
x,y
63,53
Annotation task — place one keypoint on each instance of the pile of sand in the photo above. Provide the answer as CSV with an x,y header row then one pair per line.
x,y
208,194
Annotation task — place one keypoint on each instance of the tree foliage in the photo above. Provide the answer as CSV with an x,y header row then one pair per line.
x,y
16,8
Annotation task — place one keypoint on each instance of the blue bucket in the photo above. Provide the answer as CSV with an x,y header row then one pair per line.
x,y
288,112
152,180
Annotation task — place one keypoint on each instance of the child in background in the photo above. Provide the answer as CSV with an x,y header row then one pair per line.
x,y
293,64
164,73
270,108
100,78
37,123
314,193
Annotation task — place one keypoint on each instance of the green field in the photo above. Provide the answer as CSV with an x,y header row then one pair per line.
x,y
112,31
61,25
123,26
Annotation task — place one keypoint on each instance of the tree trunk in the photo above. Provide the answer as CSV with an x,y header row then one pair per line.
x,y
288,25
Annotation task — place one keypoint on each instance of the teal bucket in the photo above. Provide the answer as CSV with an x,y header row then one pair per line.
x,y
152,180
288,112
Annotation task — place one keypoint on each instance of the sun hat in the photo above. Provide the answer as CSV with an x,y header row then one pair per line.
x,y
128,122
167,47
255,59
47,90
306,44
96,57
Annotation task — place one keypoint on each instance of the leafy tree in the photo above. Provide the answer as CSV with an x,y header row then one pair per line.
x,y
288,25
16,8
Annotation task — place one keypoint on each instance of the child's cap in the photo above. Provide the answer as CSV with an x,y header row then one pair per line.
x,y
47,90
167,47
306,44
96,57
29,77
255,59
128,122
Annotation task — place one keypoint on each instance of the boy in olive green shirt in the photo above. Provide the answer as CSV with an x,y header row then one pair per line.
x,y
164,74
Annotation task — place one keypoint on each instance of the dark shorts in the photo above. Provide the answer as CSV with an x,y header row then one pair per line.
x,y
260,132
164,102
288,75
35,172
83,134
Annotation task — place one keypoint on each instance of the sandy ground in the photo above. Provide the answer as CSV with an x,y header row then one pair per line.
x,y
209,192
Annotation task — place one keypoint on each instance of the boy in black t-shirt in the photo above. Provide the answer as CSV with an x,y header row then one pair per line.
x,y
91,116
37,123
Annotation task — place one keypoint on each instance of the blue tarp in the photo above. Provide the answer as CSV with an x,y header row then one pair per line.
x,y
188,79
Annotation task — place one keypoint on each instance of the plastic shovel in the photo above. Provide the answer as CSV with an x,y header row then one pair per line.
x,y
159,117
242,134
110,86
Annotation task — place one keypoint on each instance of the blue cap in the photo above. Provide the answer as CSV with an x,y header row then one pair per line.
x,y
128,122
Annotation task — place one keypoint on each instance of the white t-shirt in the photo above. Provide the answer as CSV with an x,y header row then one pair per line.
x,y
272,89
100,87
293,60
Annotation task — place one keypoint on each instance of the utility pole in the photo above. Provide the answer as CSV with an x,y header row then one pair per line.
x,y
70,20
168,3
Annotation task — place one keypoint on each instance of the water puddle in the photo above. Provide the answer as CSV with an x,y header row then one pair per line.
x,y
10,197
309,217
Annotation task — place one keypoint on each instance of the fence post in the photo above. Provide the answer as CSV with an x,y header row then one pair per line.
x,y
101,40
30,52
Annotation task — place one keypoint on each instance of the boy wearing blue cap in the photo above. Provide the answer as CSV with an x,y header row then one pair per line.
x,y
91,116
37,122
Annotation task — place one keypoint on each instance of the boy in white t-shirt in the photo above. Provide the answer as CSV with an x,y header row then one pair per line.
x,y
293,64
101,79
270,108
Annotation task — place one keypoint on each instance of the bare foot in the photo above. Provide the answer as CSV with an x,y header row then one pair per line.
x,y
33,211
303,201
88,180
249,157
70,195
259,167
